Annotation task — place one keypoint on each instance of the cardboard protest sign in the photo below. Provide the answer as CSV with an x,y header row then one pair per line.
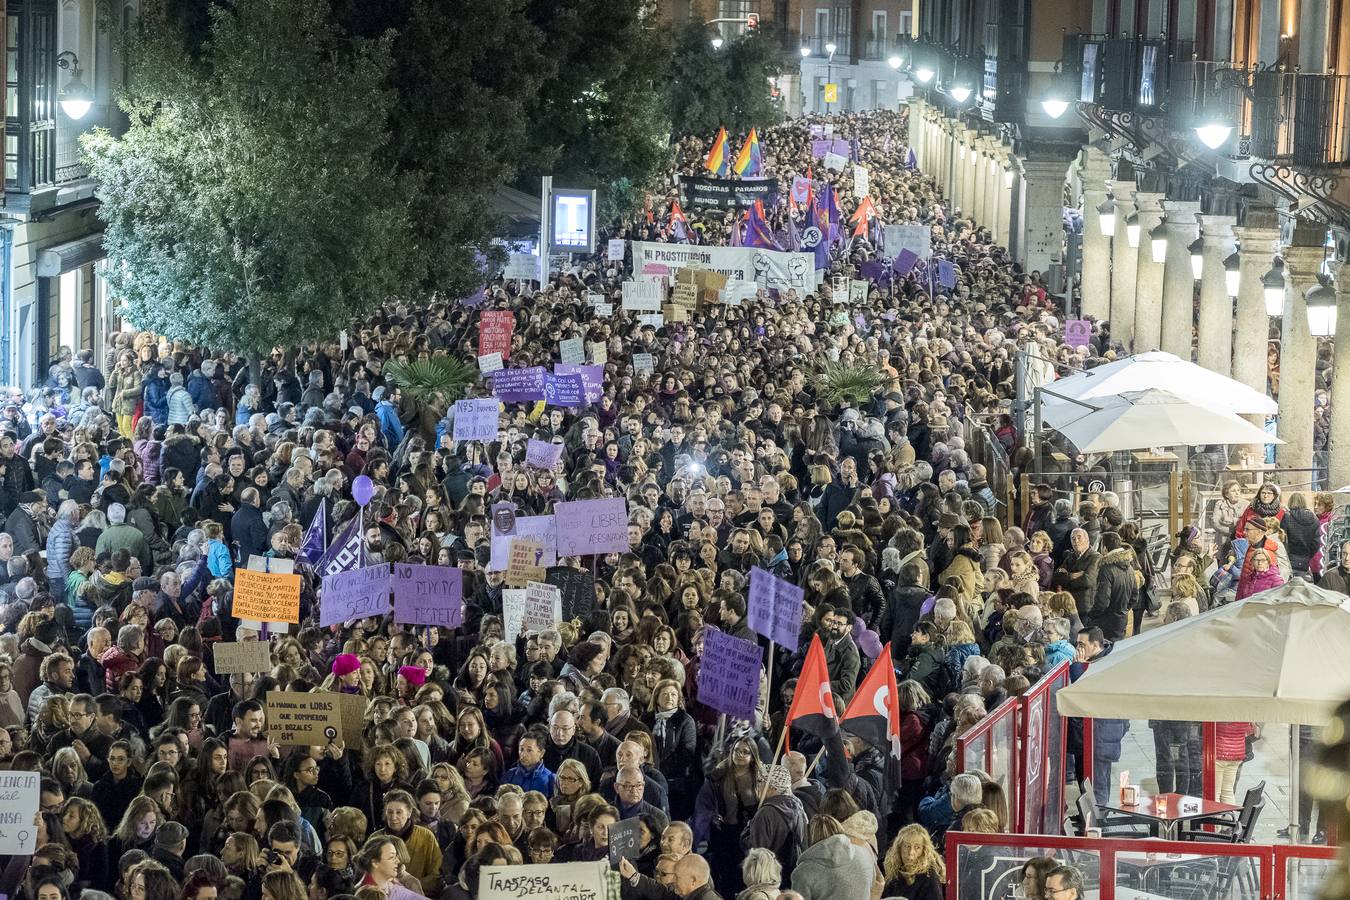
x,y
599,353
728,677
513,612
476,420
577,587
684,294
352,709
860,181
523,565
774,608
542,454
357,594
615,250
572,350
494,332
625,840
592,526
1077,332
232,657
551,881
643,364
301,719
543,606
489,363
518,385
18,811
603,310
266,596
428,595
857,291
539,527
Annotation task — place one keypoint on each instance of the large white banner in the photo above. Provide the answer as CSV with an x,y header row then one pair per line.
x,y
767,268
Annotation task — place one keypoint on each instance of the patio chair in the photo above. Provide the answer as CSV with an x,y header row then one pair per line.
x,y
1229,828
1118,825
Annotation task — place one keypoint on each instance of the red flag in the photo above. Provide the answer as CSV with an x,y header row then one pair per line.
x,y
874,712
812,707
810,187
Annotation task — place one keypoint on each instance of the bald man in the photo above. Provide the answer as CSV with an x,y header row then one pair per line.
x,y
692,881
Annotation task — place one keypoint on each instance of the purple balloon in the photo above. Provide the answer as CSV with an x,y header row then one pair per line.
x,y
362,489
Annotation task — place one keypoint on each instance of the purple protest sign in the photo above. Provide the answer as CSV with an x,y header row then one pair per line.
x,y
592,378
428,595
357,594
728,675
817,131
538,527
774,608
592,526
820,148
542,454
905,261
1077,332
564,390
518,385
476,420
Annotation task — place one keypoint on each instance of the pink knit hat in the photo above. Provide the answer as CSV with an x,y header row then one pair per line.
x,y
345,664
415,675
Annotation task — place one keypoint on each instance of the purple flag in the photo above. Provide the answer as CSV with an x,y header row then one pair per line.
x,y
814,235
946,273
757,232
911,161
348,552
794,240
316,538
774,608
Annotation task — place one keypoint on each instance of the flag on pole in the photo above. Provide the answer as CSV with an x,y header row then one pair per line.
x,y
757,231
946,273
346,553
911,161
812,707
814,236
718,162
874,712
316,538
749,162
678,221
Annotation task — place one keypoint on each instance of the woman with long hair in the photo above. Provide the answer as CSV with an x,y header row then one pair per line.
x,y
913,867
386,770
136,831
726,802
88,837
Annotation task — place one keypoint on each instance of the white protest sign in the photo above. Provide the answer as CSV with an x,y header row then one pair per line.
x,y
521,267
738,291
857,291
835,161
860,181
767,268
599,353
551,881
643,295
603,310
615,250
513,612
572,350
656,320
489,362
543,606
18,810
643,364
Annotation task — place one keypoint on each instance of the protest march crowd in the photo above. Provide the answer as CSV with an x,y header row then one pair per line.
x,y
138,489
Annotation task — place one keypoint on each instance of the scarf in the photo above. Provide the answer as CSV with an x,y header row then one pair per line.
x,y
662,722
1266,510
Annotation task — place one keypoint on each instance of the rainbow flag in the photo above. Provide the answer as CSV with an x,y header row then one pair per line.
x,y
717,161
749,163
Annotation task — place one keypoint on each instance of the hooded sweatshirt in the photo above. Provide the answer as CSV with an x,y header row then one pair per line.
x,y
834,869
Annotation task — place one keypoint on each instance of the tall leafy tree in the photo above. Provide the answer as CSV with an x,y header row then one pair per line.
x,y
247,204
710,88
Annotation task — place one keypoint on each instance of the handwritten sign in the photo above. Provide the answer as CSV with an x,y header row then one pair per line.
x,y
615,250
592,379
428,595
513,612
476,420
543,606
625,840
592,526
599,353
302,719
564,390
860,181
19,791
835,161
728,677
494,332
489,363
774,608
538,527
357,594
552,881
643,364
266,596
603,310
521,267
231,657
857,291
643,295
577,587
523,566
542,454
684,294
518,385
655,320
572,350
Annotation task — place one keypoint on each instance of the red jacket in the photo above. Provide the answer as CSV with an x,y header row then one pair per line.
x,y
116,662
913,747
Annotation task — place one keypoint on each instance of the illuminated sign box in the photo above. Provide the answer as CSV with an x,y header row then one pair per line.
x,y
573,220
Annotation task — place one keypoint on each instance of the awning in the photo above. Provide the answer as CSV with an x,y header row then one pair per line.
x,y
56,261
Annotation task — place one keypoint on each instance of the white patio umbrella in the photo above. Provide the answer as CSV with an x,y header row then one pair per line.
x,y
1274,657
1136,420
1157,369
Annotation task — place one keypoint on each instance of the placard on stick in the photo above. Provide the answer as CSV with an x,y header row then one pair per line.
x,y
523,565
625,840
428,595
18,811
266,596
232,657
592,526
357,594
301,719
728,679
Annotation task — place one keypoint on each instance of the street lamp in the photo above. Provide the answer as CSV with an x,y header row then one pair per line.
x,y
1132,230
1106,218
1008,177
1321,302
1213,134
830,48
829,69
1232,273
1158,238
894,62
75,98
1197,251
960,93
924,74
805,52
717,42
1273,284
961,150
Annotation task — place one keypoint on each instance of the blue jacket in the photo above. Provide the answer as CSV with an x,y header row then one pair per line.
x,y
155,393
392,429
537,779
202,391
179,406
219,560
1058,652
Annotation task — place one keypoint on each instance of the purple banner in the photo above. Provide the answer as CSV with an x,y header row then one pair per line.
x,y
592,526
518,385
564,390
774,608
905,261
357,594
542,454
428,595
838,145
592,378
728,675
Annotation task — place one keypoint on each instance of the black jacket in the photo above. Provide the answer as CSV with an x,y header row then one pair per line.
x,y
249,531
902,613
779,826
1300,529
1083,586
577,749
865,597
1116,587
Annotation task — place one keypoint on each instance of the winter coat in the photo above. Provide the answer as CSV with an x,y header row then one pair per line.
x,y
843,662
61,542
779,826
202,392
149,452
125,387
27,667
1116,587
1301,538
1256,582
1083,584
116,662
865,597
1230,740
834,869
1058,652
178,405
923,664
902,613
913,746
390,426
965,567
156,391
21,527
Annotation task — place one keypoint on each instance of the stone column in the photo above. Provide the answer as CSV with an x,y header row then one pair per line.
x,y
948,139
981,210
1215,348
1339,475
1124,268
968,172
1096,281
1148,283
994,185
1178,315
1298,360
1044,226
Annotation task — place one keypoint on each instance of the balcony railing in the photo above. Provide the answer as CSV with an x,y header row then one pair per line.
x,y
70,165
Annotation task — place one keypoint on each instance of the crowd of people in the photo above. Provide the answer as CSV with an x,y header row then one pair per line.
x,y
132,486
